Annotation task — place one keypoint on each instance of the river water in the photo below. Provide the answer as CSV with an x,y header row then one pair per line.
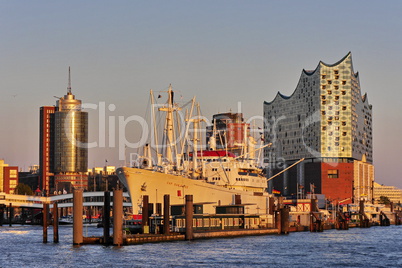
x,y
21,246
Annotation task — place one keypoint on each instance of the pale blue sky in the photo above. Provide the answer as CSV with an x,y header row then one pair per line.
x,y
221,51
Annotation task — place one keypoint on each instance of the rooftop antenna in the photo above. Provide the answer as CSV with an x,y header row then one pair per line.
x,y
69,82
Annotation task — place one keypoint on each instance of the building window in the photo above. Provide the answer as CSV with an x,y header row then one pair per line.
x,y
333,173
323,76
344,82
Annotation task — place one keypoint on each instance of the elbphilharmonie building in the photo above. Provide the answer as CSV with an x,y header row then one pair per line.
x,y
328,122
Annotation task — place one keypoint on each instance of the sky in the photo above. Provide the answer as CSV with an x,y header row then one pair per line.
x,y
222,52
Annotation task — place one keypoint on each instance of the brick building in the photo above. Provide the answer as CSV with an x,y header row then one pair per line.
x,y
10,179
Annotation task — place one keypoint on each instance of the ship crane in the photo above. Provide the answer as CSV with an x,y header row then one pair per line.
x,y
343,200
289,167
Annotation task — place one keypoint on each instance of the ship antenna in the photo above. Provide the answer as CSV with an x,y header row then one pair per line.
x,y
69,81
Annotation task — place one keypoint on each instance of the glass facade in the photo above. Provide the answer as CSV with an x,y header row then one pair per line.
x,y
326,116
71,137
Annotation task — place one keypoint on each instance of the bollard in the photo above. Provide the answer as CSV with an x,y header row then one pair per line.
x,y
77,217
118,217
189,217
106,218
145,214
55,223
45,213
166,214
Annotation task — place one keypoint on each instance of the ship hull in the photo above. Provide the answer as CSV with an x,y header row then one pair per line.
x,y
142,182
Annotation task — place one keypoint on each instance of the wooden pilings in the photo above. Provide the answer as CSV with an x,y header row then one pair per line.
x,y
106,218
282,220
166,214
158,209
55,223
2,214
45,215
189,217
271,206
10,214
77,216
145,214
118,217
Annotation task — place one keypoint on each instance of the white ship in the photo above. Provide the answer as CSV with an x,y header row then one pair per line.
x,y
213,177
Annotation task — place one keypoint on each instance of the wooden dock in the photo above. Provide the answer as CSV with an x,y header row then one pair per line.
x,y
156,238
311,221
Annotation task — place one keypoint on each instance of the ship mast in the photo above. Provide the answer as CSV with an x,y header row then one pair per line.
x,y
169,109
196,124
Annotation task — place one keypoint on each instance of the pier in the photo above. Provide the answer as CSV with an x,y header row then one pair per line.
x,y
284,217
156,229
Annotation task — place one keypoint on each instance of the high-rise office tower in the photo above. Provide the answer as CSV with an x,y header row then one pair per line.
x,y
66,137
328,122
